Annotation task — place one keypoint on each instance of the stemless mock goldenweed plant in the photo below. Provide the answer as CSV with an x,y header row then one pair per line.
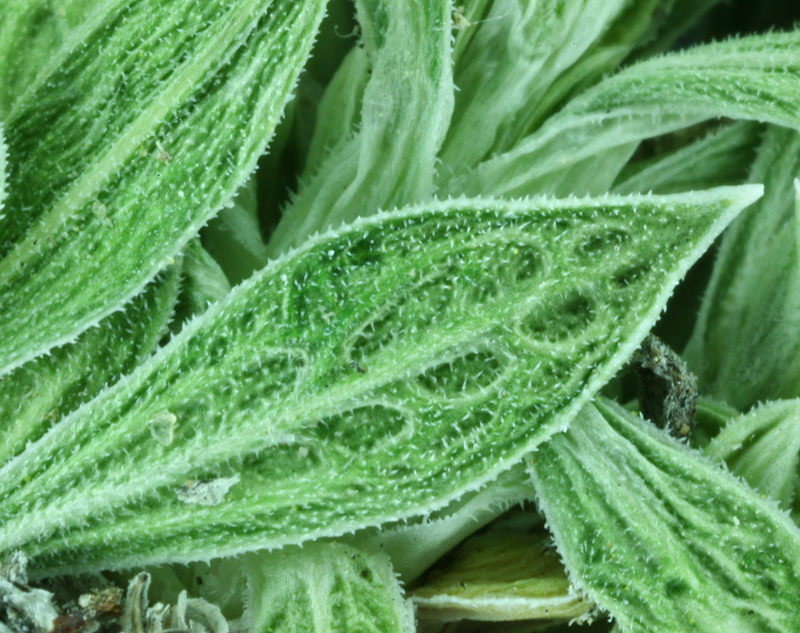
x,y
484,210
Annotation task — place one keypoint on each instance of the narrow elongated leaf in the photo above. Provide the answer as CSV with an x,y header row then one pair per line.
x,y
745,347
763,448
323,588
339,110
38,394
721,158
752,78
202,283
515,55
405,112
661,538
139,132
421,352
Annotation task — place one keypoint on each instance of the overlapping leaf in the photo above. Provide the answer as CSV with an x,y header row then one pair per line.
x,y
746,344
377,373
118,170
752,78
325,587
661,538
405,112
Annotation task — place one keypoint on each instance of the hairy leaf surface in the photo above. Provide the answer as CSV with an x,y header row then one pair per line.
x,y
661,538
41,392
763,448
745,347
752,78
118,169
377,373
325,587
405,112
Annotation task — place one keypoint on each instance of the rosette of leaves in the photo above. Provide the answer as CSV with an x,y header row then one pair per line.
x,y
470,251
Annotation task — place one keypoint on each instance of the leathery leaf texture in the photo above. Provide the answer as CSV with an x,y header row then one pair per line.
x,y
119,170
422,351
661,538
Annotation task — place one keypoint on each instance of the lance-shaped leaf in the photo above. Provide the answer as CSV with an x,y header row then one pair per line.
x,y
723,157
763,448
139,132
324,587
516,53
377,373
661,538
405,112
754,78
38,394
746,344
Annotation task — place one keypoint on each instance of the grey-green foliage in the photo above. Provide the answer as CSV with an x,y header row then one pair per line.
x,y
405,111
763,448
119,170
508,66
721,157
325,587
746,344
41,392
582,148
422,352
659,537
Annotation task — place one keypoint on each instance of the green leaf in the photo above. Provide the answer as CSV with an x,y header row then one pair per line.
x,y
501,575
763,448
722,157
406,109
753,78
515,55
202,283
3,170
414,545
118,169
31,33
233,238
422,351
322,588
746,344
41,392
659,537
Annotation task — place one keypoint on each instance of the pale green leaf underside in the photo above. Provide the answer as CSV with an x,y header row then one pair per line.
x,y
419,352
753,78
723,157
118,170
661,538
762,448
324,588
746,344
515,55
406,107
